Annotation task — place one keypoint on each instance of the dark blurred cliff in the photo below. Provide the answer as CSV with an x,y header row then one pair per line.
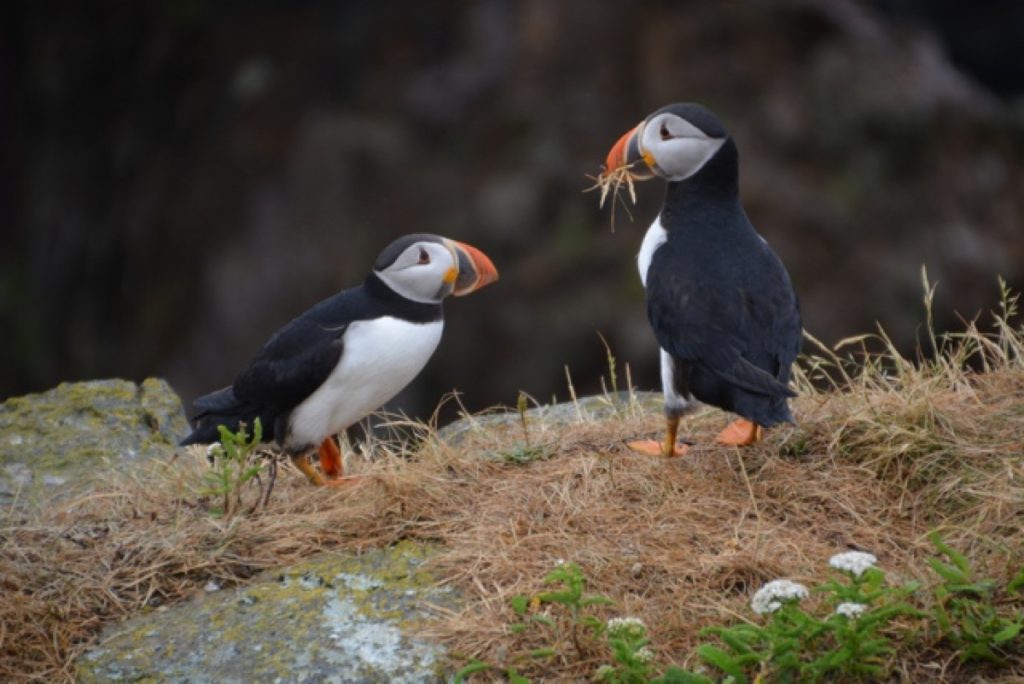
x,y
180,178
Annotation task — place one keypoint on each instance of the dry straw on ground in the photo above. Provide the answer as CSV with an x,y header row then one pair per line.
x,y
892,451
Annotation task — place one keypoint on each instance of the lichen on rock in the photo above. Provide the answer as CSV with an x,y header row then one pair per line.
x,y
340,618
54,437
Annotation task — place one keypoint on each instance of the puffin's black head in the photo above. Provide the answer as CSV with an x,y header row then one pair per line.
x,y
427,268
674,142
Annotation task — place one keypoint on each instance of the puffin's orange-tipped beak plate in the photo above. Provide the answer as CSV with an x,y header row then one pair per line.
x,y
626,153
476,270
617,155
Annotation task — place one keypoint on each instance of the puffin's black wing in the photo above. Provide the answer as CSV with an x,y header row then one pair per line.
x,y
742,324
298,358
289,367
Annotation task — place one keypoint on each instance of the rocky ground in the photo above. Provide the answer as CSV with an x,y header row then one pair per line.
x,y
118,564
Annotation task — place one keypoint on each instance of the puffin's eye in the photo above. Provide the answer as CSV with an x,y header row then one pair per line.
x,y
665,135
424,257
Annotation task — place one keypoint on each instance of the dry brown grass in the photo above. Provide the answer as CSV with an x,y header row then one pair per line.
x,y
899,450
612,183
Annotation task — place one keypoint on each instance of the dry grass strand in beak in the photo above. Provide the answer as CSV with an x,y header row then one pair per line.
x,y
611,182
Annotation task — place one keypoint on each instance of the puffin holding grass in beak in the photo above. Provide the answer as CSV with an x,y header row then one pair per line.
x,y
348,355
720,301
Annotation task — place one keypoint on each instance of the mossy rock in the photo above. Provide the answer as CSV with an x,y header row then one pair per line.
x,y
51,439
340,618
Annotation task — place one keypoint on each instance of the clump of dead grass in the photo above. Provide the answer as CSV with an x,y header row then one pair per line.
x,y
611,183
940,428
885,450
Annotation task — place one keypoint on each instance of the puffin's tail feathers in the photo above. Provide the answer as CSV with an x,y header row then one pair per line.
x,y
766,408
215,409
220,400
747,376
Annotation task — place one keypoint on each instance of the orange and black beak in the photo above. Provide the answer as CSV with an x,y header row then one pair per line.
x,y
476,270
627,153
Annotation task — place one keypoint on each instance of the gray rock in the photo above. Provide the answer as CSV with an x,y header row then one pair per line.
x,y
337,619
51,439
587,409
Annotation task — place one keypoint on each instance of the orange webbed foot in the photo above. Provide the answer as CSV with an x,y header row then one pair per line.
x,y
740,432
652,447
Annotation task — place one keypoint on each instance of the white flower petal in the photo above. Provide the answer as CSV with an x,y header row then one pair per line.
x,y
850,610
853,562
771,596
627,627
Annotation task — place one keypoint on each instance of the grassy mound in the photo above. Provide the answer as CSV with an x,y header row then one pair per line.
x,y
886,450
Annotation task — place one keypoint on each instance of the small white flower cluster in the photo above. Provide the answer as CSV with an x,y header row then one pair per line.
x,y
770,597
853,562
627,627
608,673
644,655
850,610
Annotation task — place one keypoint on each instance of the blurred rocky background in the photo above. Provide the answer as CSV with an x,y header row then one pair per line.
x,y
179,178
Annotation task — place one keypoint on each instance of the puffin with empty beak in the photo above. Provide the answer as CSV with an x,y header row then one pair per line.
x,y
348,355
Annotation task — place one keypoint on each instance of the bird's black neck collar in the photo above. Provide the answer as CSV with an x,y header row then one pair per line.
x,y
716,184
399,306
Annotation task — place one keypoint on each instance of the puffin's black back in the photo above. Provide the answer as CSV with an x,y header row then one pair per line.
x,y
719,299
297,359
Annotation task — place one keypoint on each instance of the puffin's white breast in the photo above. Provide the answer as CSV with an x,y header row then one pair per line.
x,y
380,357
655,238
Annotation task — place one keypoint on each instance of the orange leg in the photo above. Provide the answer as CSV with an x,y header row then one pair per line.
x,y
330,459
740,432
668,447
331,464
302,463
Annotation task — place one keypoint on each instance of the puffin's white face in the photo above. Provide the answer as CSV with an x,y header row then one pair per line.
x,y
423,272
427,268
673,147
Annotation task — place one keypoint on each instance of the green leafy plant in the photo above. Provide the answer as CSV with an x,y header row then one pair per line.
x,y
855,640
796,646
568,591
234,464
628,641
863,606
474,666
625,638
775,647
1016,585
677,675
965,611
569,584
